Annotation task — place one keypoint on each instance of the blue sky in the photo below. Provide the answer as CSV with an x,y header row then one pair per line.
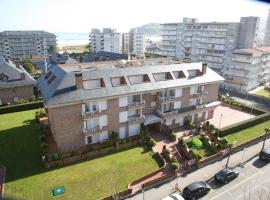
x,y
82,15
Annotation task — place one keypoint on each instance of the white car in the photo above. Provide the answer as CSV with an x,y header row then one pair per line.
x,y
174,196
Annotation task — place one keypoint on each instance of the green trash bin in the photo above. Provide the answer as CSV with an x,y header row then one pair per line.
x,y
58,190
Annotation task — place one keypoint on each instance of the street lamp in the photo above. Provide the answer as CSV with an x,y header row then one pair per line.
x,y
220,121
265,136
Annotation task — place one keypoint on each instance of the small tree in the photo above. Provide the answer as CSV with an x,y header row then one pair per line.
x,y
52,50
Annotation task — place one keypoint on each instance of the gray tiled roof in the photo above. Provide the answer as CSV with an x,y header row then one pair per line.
x,y
14,75
66,79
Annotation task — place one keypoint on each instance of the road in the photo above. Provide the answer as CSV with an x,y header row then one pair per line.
x,y
207,172
252,183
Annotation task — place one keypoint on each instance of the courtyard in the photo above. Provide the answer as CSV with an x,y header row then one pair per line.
x,y
26,177
226,116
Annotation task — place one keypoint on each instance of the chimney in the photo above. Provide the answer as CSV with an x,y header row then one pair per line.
x,y
78,80
22,76
204,68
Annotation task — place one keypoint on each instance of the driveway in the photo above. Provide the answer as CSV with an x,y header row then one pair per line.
x,y
226,116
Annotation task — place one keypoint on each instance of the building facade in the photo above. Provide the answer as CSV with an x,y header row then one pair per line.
x,y
15,83
84,106
207,42
107,40
266,41
16,44
247,69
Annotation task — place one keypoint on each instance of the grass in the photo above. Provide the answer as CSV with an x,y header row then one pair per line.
x,y
93,179
247,134
204,152
263,92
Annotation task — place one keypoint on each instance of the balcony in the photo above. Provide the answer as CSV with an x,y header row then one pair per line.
x,y
136,104
200,106
200,93
93,130
167,114
88,114
166,98
135,118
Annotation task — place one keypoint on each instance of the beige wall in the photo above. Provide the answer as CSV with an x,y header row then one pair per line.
x,y
24,92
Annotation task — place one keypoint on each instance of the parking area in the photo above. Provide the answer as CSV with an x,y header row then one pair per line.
x,y
226,116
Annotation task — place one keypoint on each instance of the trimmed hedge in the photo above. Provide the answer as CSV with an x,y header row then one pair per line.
x,y
244,124
21,107
252,109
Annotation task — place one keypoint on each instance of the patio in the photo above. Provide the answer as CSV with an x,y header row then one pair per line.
x,y
226,116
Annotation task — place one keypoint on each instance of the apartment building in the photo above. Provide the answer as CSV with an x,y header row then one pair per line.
x,y
246,69
266,41
107,40
16,44
86,103
207,42
15,83
137,42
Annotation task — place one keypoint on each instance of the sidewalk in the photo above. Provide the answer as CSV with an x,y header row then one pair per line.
x,y
201,174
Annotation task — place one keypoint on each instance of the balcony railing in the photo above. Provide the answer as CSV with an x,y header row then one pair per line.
x,y
200,93
200,106
166,98
93,130
136,104
88,113
135,118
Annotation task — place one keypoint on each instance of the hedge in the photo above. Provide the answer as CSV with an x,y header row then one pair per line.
x,y
252,109
21,107
244,124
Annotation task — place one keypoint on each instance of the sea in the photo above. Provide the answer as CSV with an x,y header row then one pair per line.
x,y
82,38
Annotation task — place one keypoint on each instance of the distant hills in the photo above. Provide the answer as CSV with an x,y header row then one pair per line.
x,y
151,29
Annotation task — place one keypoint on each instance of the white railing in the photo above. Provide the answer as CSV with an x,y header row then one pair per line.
x,y
92,130
90,113
134,104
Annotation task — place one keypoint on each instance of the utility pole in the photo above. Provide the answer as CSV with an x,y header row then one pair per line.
x,y
220,121
230,152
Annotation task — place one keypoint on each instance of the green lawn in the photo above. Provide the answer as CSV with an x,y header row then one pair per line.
x,y
204,152
248,134
93,179
263,93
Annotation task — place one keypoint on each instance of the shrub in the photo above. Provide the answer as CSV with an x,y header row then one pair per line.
x,y
55,156
180,141
166,151
198,156
21,107
206,138
211,126
175,166
207,123
89,148
151,143
172,136
42,137
216,133
223,141
43,145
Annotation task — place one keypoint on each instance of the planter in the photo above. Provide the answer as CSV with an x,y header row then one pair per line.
x,y
56,163
72,159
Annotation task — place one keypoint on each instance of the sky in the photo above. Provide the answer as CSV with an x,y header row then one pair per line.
x,y
82,15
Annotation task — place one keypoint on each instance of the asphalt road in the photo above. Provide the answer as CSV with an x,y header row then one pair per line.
x,y
252,183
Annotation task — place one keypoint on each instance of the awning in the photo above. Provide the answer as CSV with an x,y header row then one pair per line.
x,y
151,119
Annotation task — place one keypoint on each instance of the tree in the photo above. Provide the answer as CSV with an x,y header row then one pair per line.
x,y
52,50
27,65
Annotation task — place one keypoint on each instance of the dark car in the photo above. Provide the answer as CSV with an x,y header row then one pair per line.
x,y
196,190
265,154
226,175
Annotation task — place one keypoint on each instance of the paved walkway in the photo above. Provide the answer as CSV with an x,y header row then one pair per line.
x,y
226,116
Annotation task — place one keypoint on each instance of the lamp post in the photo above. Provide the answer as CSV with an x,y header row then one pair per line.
x,y
220,121
265,136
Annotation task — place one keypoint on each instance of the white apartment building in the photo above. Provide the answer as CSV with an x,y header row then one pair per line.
x,y
16,44
266,41
134,43
207,42
246,69
107,40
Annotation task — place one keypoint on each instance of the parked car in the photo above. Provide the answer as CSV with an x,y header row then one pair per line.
x,y
196,190
174,196
226,175
265,154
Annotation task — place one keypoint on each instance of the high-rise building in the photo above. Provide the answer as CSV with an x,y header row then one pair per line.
x,y
107,40
134,43
266,41
207,42
246,69
16,44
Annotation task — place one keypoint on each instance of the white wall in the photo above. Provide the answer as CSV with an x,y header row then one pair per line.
x,y
123,101
178,92
103,104
177,104
135,79
134,129
104,136
122,132
103,120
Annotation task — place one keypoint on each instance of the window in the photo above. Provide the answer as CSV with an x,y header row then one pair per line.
x,y
137,79
118,81
94,83
179,74
89,140
153,104
51,79
48,75
162,76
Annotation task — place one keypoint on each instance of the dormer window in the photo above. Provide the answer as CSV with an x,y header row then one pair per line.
x,y
3,77
194,73
94,83
137,79
118,81
179,74
164,76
